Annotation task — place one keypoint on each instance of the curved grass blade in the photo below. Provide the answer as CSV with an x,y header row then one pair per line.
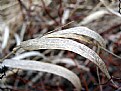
x,y
66,44
44,67
69,35
79,31
79,37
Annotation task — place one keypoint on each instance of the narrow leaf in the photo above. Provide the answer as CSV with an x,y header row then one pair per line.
x,y
65,44
69,35
5,37
94,16
44,67
80,31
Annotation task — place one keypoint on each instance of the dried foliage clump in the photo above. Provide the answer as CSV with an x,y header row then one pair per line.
x,y
60,45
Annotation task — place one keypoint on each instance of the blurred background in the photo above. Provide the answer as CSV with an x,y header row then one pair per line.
x,y
22,20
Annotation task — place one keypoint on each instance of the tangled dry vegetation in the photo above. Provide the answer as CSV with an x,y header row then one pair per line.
x,y
60,45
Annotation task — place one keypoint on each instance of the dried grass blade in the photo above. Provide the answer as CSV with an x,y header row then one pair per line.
x,y
80,31
79,37
104,2
5,37
44,67
66,44
94,16
69,35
